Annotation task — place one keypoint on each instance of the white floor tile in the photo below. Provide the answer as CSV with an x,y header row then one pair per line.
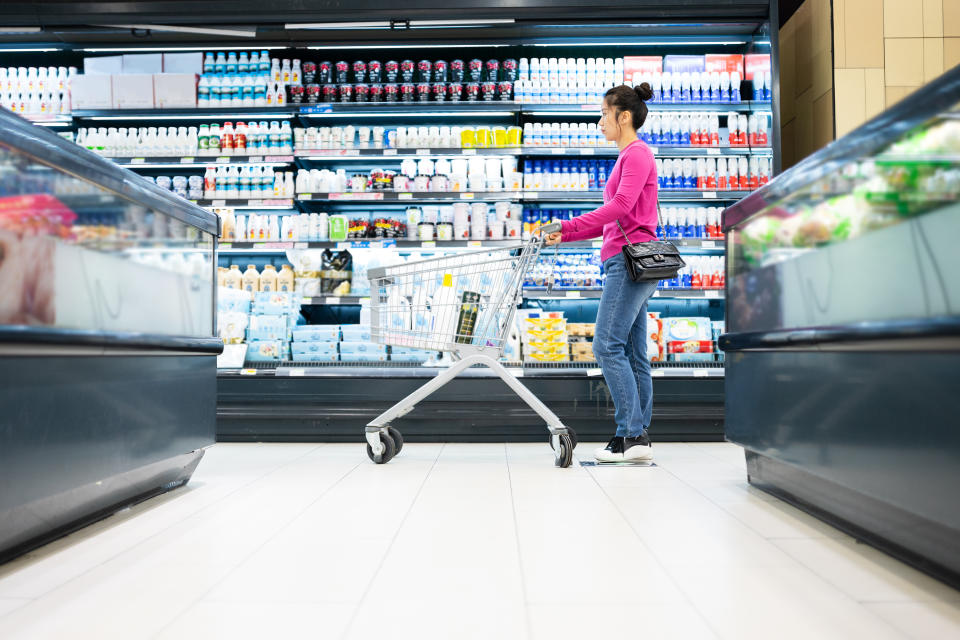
x,y
659,621
259,620
921,621
418,619
865,573
8,605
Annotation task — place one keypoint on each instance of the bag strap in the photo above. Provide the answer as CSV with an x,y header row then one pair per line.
x,y
619,226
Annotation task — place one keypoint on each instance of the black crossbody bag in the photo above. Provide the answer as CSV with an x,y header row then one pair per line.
x,y
651,261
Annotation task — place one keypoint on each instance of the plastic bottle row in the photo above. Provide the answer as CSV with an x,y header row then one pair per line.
x,y
351,137
244,139
713,174
678,222
566,175
443,175
240,90
701,130
584,271
249,182
703,86
40,91
293,72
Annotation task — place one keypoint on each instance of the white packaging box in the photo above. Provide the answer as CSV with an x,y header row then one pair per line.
x,y
142,63
175,90
183,63
103,65
91,92
133,91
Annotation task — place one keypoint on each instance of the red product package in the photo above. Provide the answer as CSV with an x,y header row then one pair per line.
x,y
721,62
642,66
690,346
756,62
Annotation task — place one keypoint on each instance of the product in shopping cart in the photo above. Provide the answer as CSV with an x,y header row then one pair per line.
x,y
471,299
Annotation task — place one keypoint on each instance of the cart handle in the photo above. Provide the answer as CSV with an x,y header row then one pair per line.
x,y
550,227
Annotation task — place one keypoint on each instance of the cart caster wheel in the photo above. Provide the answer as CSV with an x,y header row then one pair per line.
x,y
564,457
390,450
573,438
397,439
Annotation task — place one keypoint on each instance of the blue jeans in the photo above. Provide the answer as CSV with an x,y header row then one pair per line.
x,y
620,346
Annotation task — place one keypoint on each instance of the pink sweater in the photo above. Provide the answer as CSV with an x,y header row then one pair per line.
x,y
630,196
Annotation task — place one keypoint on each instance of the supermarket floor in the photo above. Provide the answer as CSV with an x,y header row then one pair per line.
x,y
467,541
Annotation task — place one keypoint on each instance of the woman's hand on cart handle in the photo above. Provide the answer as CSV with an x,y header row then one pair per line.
x,y
550,233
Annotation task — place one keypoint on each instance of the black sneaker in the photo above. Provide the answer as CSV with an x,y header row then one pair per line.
x,y
637,449
613,452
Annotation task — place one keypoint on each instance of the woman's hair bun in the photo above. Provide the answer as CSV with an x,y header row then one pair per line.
x,y
644,91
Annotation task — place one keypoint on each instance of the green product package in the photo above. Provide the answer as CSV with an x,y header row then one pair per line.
x,y
339,226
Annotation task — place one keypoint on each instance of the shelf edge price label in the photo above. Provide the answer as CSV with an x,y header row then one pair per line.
x,y
223,160
713,293
700,373
351,152
466,196
532,195
138,160
332,301
474,243
248,372
389,152
404,196
301,245
586,152
713,152
597,244
469,152
656,294
226,245
187,160
516,372
573,294
423,152
218,203
594,372
364,300
708,244
306,196
587,107
656,373
297,373
428,244
654,150
558,152
709,195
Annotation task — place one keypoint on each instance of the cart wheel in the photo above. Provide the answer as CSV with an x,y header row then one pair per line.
x,y
573,438
564,458
389,452
397,439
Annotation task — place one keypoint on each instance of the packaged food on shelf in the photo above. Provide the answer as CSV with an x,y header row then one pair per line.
x,y
355,333
656,348
329,333
46,92
352,348
267,327
319,348
267,351
683,329
581,329
582,352
316,357
689,346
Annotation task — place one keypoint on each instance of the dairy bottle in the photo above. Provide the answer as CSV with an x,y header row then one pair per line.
x,y
285,279
268,279
233,279
251,279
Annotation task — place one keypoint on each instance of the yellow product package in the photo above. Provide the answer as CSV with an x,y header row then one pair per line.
x,y
544,335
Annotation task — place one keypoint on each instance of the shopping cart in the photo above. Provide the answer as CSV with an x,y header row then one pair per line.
x,y
463,305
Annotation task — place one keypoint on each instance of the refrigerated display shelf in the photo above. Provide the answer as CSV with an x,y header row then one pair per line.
x,y
281,204
442,152
540,293
163,162
702,244
524,196
420,109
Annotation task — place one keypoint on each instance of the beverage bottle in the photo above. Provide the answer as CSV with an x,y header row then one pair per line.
x,y
233,183
724,86
192,141
288,186
742,126
208,63
221,183
286,138
274,138
743,177
220,64
271,96
247,90
281,93
722,174
712,173
732,127
285,72
701,174
295,73
203,92
244,191
278,186
276,74
231,65
735,86
226,139
265,61
243,63
241,230
240,140
254,64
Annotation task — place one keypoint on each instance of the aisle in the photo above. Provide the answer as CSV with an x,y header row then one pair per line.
x,y
467,541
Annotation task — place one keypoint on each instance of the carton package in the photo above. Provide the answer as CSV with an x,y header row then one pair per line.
x,y
686,328
355,332
721,62
266,350
641,66
316,357
267,327
582,351
548,357
103,66
581,329
656,351
321,348
544,335
133,91
147,63
364,357
91,92
183,63
693,357
175,90
690,346
540,323
356,348
317,333
681,64
754,62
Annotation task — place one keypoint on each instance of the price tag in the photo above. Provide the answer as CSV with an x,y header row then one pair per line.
x,y
587,107
187,160
713,152
248,372
594,372
466,196
300,245
573,294
700,373
341,196
218,203
306,196
404,196
516,372
558,152
297,373
586,152
226,245
531,195
364,300
138,160
255,159
709,195
656,373
423,152
389,152
474,243
332,301
708,244
654,150
469,152
223,160
656,294
352,152
428,244
713,294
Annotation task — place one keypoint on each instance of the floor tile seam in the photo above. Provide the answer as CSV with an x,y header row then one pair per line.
x,y
657,560
528,622
159,533
737,466
24,602
393,541
252,552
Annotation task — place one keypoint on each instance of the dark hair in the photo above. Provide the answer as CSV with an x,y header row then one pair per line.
x,y
633,100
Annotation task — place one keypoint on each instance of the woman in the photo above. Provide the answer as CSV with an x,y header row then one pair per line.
x,y
620,343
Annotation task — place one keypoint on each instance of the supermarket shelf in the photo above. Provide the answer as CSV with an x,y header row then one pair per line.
x,y
219,113
229,248
664,196
655,107
420,108
187,162
541,293
282,204
450,152
525,196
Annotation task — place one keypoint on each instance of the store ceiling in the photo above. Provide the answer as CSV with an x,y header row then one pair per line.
x,y
142,22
